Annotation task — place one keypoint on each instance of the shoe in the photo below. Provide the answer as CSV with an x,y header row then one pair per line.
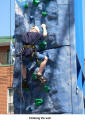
x,y
41,78
25,84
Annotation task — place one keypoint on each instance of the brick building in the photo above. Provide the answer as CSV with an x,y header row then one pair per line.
x,y
6,77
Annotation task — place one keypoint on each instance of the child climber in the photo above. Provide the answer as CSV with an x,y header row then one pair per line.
x,y
30,39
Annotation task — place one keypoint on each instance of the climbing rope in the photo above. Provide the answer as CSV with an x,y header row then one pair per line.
x,y
10,51
21,93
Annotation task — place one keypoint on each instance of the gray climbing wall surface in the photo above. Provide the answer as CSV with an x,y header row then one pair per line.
x,y
64,95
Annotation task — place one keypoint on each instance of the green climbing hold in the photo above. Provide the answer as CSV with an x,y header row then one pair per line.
x,y
26,89
44,13
36,2
26,5
34,77
38,102
46,88
43,44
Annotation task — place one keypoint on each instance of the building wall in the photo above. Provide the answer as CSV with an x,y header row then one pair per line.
x,y
4,48
6,78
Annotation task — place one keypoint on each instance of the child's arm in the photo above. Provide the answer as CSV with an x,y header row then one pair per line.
x,y
44,30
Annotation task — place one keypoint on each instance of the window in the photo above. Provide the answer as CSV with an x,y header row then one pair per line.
x,y
10,106
3,58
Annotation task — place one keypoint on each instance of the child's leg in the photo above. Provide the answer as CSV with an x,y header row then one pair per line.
x,y
42,66
24,72
24,65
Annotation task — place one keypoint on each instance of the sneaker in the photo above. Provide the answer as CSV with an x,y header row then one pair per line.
x,y
25,84
41,78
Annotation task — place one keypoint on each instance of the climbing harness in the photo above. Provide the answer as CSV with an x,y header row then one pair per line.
x,y
32,46
32,55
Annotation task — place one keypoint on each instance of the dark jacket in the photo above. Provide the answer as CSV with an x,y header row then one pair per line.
x,y
30,38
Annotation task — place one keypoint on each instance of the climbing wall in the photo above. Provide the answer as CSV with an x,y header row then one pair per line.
x,y
61,93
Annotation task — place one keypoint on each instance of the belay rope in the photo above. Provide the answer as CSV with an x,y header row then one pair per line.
x,y
10,51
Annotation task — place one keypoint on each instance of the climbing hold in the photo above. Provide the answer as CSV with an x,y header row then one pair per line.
x,y
43,44
26,89
34,77
46,88
36,2
44,13
38,102
29,109
26,5
31,17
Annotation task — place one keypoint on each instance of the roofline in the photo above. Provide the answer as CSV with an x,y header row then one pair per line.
x,y
5,40
6,37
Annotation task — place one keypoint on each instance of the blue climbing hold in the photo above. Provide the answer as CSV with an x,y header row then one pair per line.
x,y
31,17
29,109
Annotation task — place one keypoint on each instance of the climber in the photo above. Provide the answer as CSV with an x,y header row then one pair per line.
x,y
30,39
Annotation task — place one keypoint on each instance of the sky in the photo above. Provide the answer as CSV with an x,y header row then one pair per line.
x,y
83,8
5,18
